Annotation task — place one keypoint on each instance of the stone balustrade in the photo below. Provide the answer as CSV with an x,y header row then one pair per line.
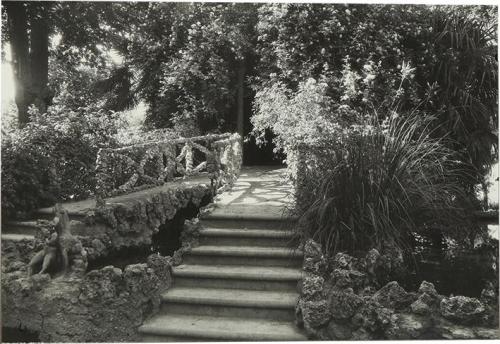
x,y
139,166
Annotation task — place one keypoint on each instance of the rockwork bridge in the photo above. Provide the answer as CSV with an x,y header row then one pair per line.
x,y
235,279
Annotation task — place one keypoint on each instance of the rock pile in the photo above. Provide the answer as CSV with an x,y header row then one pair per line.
x,y
106,305
341,300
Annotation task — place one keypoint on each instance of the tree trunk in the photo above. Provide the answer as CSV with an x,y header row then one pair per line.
x,y
240,119
40,61
18,29
30,55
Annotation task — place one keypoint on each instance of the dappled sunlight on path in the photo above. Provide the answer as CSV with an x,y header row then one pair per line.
x,y
258,191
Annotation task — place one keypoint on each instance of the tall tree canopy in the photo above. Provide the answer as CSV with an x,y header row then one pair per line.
x,y
187,58
190,62
52,43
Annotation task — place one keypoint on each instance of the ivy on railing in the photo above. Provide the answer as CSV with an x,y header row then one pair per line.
x,y
139,166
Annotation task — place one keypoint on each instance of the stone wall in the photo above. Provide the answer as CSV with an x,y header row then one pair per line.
x,y
106,305
132,224
342,298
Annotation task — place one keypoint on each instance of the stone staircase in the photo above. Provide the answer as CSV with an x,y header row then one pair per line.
x,y
16,230
240,284
19,230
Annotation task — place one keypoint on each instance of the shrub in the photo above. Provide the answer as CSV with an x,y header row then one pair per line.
x,y
373,185
137,135
367,181
52,158
302,117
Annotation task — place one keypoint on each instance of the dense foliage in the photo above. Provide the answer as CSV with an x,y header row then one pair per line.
x,y
375,185
187,58
332,77
365,182
301,117
52,159
318,72
44,34
374,59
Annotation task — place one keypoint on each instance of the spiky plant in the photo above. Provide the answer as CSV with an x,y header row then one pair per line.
x,y
465,71
376,184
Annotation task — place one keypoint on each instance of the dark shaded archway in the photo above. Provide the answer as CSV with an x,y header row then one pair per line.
x,y
254,154
261,155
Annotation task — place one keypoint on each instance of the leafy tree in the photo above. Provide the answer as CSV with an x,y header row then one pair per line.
x,y
190,60
464,68
28,31
52,157
29,28
381,58
193,63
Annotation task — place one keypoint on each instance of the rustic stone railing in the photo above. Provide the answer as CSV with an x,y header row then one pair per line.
x,y
139,166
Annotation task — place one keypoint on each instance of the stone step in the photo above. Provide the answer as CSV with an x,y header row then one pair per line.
x,y
17,237
244,255
248,237
210,328
237,277
230,303
45,214
48,214
20,227
152,338
31,227
234,221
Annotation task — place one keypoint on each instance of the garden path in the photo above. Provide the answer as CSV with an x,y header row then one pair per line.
x,y
259,190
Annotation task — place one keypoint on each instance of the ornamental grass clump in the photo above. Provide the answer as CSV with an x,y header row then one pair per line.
x,y
374,185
